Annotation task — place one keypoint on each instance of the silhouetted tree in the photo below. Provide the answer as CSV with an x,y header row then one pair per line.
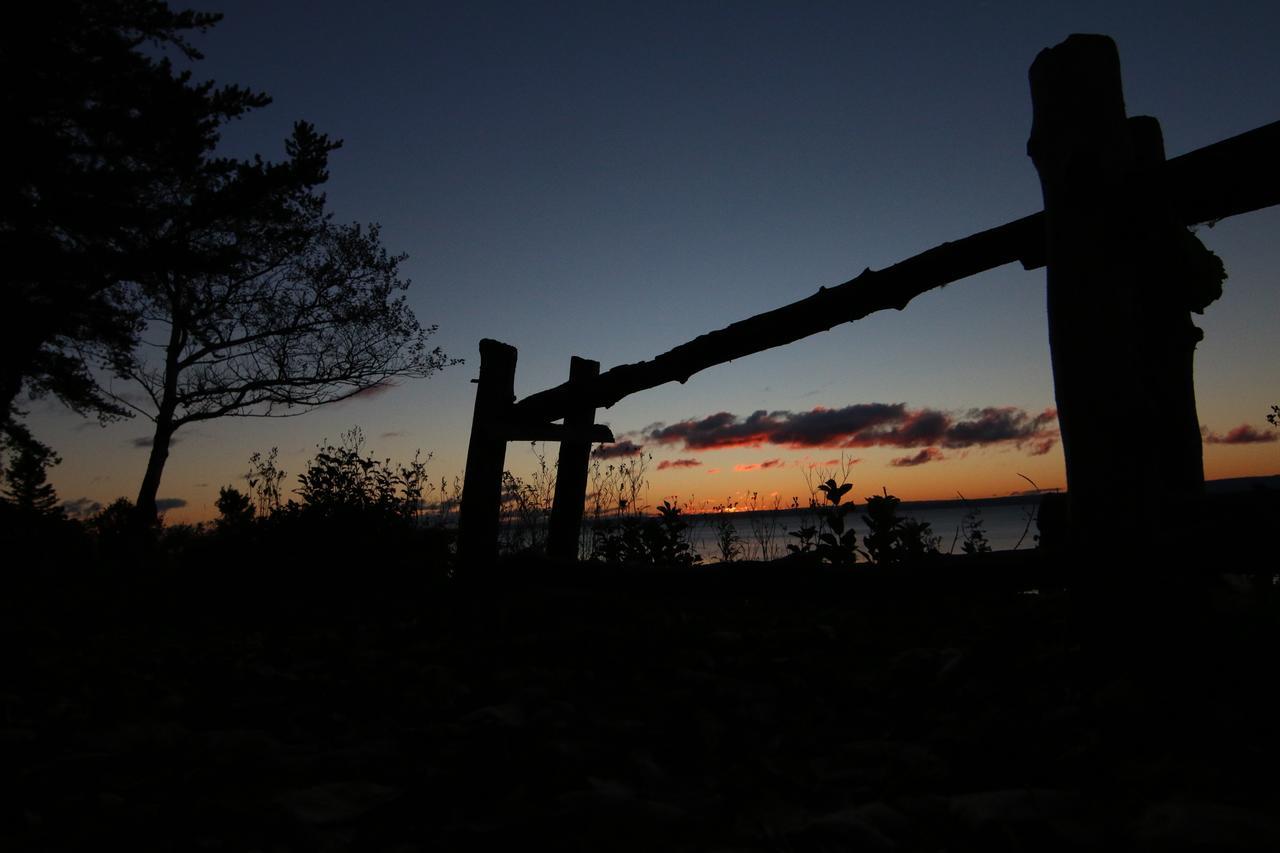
x,y
235,510
97,135
26,474
278,334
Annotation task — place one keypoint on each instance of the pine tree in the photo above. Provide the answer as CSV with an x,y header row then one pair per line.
x,y
25,477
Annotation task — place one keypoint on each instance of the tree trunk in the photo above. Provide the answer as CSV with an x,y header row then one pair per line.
x,y
166,425
146,503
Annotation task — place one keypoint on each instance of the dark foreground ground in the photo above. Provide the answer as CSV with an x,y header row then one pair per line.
x,y
774,710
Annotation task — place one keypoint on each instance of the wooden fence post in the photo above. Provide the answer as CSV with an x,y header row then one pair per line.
x,y
1120,334
480,511
571,471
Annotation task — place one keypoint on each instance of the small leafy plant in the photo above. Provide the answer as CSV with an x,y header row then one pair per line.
x,y
892,540
838,545
807,536
728,541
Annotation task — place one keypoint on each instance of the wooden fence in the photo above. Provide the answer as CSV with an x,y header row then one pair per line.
x,y
1123,276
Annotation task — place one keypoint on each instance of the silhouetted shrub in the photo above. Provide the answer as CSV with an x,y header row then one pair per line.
x,y
120,537
356,512
892,540
656,541
341,484
526,505
235,511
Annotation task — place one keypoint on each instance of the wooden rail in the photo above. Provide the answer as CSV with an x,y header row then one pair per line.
x,y
1231,177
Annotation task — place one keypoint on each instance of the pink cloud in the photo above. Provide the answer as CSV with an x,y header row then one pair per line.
x,y
929,454
755,466
864,425
1243,434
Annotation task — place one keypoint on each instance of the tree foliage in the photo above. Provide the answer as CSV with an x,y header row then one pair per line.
x,y
277,335
26,484
97,131
235,510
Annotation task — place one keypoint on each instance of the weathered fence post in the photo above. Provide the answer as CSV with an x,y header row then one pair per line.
x,y
1122,276
480,511
571,470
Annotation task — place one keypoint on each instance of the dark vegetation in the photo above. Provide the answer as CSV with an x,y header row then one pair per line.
x,y
312,672
347,505
361,701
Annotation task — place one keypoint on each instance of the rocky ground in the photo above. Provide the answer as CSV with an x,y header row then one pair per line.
x,y
790,713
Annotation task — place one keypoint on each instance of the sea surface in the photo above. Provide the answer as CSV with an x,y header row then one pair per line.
x,y
1008,522
1006,527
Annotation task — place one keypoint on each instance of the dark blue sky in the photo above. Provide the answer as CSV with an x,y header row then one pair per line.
x,y
611,179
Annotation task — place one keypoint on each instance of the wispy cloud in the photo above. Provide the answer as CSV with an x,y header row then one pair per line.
x,y
81,508
929,454
757,466
373,391
1041,446
393,434
147,440
163,504
678,463
1243,434
865,425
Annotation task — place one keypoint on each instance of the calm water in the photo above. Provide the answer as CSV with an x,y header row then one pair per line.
x,y
1004,526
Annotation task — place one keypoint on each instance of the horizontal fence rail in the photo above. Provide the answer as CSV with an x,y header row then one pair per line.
x,y
1234,176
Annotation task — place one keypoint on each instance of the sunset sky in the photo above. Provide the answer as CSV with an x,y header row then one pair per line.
x,y
610,180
